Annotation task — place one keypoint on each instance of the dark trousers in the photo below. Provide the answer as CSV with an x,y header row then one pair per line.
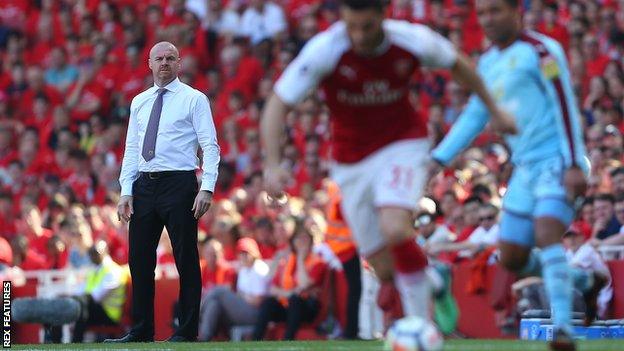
x,y
164,200
299,310
96,316
352,271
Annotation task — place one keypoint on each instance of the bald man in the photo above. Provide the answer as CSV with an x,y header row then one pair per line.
x,y
168,122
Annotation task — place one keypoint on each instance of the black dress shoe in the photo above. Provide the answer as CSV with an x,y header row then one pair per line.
x,y
178,338
129,338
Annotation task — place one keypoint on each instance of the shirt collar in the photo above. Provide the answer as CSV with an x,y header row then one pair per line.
x,y
173,86
384,46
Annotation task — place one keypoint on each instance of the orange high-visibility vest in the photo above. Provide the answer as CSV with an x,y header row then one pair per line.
x,y
288,281
338,235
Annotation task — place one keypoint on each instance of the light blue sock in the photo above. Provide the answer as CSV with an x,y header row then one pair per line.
x,y
558,284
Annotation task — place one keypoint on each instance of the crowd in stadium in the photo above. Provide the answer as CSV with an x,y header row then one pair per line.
x,y
70,68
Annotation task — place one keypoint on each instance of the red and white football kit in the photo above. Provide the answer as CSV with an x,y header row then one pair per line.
x,y
379,140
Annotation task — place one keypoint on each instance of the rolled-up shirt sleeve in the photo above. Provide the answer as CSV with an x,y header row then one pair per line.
x,y
207,138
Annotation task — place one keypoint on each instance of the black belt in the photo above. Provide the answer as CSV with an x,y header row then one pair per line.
x,y
162,174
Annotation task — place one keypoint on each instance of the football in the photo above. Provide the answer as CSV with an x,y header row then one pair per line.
x,y
413,334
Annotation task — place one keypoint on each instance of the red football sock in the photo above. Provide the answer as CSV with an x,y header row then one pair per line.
x,y
389,301
408,257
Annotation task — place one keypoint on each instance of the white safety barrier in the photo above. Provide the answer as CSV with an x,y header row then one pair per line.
x,y
609,253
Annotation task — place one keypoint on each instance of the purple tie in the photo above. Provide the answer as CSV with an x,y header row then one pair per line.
x,y
149,143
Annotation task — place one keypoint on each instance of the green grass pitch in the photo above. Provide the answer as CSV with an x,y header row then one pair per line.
x,y
450,345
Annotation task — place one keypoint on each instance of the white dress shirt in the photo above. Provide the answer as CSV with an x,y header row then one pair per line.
x,y
254,280
441,235
227,22
185,123
482,236
262,25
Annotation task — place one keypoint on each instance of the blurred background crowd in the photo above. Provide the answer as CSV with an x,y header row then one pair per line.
x,y
69,69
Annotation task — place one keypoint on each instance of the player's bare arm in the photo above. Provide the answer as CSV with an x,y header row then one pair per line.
x,y
271,128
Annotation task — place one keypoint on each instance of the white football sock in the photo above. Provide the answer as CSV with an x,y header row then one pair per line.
x,y
415,290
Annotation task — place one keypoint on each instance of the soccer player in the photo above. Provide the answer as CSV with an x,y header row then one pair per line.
x,y
528,74
364,64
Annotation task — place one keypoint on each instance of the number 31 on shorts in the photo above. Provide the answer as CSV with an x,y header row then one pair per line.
x,y
401,177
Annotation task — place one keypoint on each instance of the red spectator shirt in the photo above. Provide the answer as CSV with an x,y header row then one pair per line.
x,y
33,261
465,233
28,98
597,66
40,53
297,9
117,245
245,80
5,80
41,164
229,253
222,274
7,226
40,243
91,91
267,251
81,186
6,253
557,32
58,261
132,82
8,156
367,96
13,13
